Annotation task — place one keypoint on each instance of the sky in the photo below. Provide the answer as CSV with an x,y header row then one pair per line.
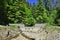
x,y
32,1
36,1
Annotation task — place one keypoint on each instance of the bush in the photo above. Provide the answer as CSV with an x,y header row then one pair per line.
x,y
29,21
28,17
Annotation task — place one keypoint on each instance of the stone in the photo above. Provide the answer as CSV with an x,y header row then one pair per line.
x,y
21,25
40,25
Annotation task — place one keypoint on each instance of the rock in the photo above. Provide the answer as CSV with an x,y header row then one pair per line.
x,y
21,25
53,36
40,25
3,32
20,37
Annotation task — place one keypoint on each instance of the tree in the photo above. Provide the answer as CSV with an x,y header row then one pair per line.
x,y
28,18
57,19
3,14
15,10
39,12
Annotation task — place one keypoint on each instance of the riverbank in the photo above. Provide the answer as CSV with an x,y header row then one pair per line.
x,y
44,33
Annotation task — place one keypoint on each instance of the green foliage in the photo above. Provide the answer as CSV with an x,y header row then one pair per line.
x,y
3,14
19,11
57,19
28,18
15,11
29,21
52,17
38,12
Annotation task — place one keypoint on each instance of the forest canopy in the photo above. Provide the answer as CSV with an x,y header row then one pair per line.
x,y
21,11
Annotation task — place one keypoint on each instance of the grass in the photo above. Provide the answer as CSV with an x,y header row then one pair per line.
x,y
53,28
13,27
